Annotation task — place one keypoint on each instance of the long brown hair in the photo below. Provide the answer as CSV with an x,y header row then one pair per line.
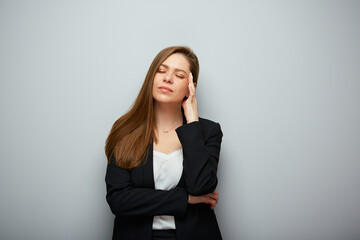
x,y
131,135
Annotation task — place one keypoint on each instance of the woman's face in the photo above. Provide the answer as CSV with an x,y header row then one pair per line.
x,y
171,80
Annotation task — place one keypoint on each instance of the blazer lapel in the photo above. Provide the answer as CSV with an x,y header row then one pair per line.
x,y
182,178
148,169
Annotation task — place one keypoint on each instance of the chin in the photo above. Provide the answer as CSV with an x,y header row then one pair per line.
x,y
167,101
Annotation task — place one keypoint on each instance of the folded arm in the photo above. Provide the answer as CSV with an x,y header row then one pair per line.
x,y
201,157
124,199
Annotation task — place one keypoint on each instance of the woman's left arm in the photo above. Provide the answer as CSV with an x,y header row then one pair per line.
x,y
201,156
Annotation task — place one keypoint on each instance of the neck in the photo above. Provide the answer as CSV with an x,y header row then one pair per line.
x,y
167,115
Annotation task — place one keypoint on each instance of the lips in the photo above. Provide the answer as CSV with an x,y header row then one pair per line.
x,y
165,89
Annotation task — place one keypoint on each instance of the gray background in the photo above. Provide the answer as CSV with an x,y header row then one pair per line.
x,y
281,77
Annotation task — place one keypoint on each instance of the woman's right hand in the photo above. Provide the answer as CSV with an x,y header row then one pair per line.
x,y
210,198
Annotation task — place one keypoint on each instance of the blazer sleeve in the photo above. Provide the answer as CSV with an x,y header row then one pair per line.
x,y
124,199
201,156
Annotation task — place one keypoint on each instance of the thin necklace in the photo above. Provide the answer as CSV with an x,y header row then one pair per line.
x,y
167,131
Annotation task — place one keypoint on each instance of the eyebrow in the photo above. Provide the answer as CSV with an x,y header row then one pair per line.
x,y
176,69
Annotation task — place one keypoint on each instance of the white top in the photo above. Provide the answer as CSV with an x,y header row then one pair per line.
x,y
167,173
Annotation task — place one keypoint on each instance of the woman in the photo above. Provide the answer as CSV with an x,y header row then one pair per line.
x,y
162,158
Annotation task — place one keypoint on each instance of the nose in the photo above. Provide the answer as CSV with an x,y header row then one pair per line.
x,y
168,78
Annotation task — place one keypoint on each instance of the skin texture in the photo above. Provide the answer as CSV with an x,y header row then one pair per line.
x,y
172,83
173,74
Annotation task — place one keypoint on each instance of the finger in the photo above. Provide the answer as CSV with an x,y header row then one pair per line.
x,y
190,80
209,201
217,194
213,204
191,91
191,85
214,196
190,77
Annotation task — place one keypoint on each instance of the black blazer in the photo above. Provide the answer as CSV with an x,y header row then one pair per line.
x,y
134,201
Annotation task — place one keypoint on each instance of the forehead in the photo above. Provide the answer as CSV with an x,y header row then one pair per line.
x,y
177,60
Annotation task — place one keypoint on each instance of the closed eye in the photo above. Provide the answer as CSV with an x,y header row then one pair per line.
x,y
180,76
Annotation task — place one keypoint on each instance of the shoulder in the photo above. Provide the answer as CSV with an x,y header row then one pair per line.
x,y
198,131
207,122
210,127
205,127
